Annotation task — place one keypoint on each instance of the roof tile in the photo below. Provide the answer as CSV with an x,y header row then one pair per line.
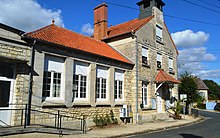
x,y
164,77
58,35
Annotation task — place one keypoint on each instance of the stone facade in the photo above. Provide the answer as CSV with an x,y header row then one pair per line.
x,y
15,52
128,46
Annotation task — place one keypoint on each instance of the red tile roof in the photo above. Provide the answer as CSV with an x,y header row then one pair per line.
x,y
164,77
126,27
60,36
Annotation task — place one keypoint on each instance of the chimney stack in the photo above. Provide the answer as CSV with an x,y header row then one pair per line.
x,y
100,21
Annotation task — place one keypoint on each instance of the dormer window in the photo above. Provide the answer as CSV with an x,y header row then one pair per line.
x,y
159,61
159,36
145,56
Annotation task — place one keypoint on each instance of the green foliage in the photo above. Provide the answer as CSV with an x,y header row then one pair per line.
x,y
178,110
217,107
101,121
214,89
189,86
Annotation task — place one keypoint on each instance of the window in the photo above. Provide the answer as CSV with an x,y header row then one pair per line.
x,y
159,33
101,82
170,65
144,56
119,82
159,60
52,81
80,80
144,94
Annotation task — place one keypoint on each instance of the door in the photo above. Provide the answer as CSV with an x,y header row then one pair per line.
x,y
159,101
5,113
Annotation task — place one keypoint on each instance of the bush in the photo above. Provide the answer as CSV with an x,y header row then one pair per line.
x,y
201,106
101,121
177,111
217,107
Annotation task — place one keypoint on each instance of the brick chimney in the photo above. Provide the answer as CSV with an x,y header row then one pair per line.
x,y
100,21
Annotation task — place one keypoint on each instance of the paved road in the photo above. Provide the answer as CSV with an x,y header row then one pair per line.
x,y
210,128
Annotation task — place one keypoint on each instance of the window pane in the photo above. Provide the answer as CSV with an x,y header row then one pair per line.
x,y
46,84
97,88
144,60
103,89
75,86
116,89
120,89
83,87
56,84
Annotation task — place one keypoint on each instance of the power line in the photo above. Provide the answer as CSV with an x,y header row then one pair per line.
x,y
209,3
171,16
198,5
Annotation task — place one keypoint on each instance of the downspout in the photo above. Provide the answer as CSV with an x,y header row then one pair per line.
x,y
136,74
28,118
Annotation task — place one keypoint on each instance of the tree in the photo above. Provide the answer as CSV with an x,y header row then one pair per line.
x,y
189,86
214,89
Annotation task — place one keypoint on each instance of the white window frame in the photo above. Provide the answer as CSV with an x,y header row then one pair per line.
x,y
102,73
82,70
145,94
54,65
159,33
145,55
170,64
119,77
159,58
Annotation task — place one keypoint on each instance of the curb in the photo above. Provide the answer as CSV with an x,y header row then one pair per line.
x,y
159,129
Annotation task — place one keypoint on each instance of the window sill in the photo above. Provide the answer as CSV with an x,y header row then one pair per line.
x,y
145,65
119,102
147,108
172,72
103,102
53,102
80,102
160,42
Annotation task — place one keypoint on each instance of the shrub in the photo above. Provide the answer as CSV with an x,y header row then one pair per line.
x,y
101,121
177,111
217,107
201,106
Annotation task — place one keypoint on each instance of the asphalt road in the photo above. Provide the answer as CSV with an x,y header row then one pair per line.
x,y
210,128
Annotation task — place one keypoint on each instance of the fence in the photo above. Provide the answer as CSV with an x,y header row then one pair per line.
x,y
56,119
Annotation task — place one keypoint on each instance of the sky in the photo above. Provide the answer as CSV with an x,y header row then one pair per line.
x,y
193,24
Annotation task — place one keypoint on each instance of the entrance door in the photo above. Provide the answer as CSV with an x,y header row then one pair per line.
x,y
5,115
159,101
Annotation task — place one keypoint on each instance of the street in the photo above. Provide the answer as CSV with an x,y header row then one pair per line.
x,y
210,128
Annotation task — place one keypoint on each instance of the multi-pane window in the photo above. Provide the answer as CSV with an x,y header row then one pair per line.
x,y
144,56
80,80
119,79
144,93
170,64
101,82
159,60
52,81
159,33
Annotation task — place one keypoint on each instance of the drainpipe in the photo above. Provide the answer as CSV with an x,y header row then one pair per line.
x,y
136,74
28,118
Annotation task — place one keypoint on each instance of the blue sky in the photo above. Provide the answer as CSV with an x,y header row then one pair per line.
x,y
198,43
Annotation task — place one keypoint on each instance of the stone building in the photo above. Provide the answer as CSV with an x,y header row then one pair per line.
x,y
133,64
202,89
14,73
148,44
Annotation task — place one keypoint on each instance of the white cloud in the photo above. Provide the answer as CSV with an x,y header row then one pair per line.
x,y
188,38
209,74
87,29
191,60
27,15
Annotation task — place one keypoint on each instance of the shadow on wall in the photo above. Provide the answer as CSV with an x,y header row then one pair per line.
x,y
189,136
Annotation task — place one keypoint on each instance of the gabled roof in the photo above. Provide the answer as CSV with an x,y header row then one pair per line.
x,y
127,27
164,77
63,37
201,84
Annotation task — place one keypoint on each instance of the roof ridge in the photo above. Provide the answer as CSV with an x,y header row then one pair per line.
x,y
146,21
35,31
123,23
